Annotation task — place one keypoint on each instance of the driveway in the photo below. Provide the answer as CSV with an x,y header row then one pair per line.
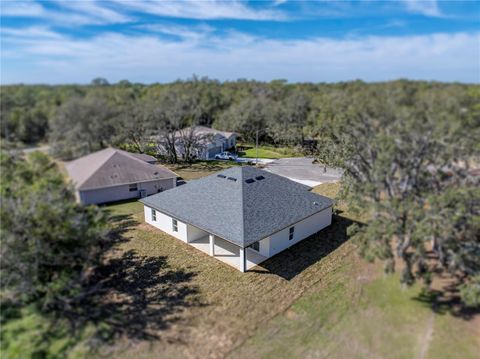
x,y
303,170
261,161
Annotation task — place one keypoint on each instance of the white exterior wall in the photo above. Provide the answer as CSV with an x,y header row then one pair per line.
x,y
194,233
218,145
279,241
264,247
165,224
232,141
268,246
118,193
186,232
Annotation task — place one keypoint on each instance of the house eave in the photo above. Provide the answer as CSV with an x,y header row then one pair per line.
x,y
244,245
123,184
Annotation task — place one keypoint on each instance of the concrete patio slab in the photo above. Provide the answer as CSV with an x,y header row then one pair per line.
x,y
227,252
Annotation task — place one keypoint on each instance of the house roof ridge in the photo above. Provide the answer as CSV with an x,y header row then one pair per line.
x,y
242,171
99,166
238,211
125,153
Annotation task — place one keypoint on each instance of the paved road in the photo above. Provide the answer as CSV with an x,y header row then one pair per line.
x,y
301,169
31,149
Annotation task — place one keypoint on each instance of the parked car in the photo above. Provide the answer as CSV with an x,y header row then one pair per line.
x,y
226,156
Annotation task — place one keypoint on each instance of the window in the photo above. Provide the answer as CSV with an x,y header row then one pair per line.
x,y
291,233
255,246
133,187
154,215
174,225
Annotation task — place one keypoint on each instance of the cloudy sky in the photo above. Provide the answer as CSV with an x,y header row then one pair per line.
x,y
308,41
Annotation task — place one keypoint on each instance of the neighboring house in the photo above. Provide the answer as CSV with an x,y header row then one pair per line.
x,y
112,175
215,141
242,215
208,143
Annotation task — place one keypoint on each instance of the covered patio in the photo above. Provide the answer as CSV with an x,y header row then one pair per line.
x,y
228,253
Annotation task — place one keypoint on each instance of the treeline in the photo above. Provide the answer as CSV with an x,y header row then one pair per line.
x,y
78,119
410,151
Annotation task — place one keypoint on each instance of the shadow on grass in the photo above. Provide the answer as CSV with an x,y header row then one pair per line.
x,y
134,297
446,300
130,296
294,260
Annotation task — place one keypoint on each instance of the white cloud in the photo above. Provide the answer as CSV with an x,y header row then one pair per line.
x,y
35,33
205,9
149,58
21,8
196,33
84,12
95,11
424,7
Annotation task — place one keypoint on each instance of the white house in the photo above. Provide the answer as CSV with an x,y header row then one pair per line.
x,y
242,215
210,142
112,175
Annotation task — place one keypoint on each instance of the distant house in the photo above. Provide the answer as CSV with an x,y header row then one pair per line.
x,y
242,215
112,175
208,141
214,141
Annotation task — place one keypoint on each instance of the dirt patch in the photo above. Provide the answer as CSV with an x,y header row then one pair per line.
x,y
427,337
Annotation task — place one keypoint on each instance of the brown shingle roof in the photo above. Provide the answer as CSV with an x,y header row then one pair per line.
x,y
110,167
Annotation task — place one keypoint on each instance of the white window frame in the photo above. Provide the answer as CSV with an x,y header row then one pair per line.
x,y
154,215
174,225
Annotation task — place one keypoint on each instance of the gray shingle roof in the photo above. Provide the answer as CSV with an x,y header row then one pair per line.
x,y
110,167
243,210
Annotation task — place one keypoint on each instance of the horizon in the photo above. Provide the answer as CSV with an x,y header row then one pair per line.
x,y
148,42
191,78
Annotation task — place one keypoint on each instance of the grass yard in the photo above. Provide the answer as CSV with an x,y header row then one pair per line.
x,y
317,299
270,152
199,169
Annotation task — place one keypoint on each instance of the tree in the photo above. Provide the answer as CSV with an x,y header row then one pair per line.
x,y
100,81
249,116
173,112
407,166
81,126
288,118
190,143
49,243
133,127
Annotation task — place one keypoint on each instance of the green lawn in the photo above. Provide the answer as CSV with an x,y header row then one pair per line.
x,y
270,152
200,168
352,315
316,299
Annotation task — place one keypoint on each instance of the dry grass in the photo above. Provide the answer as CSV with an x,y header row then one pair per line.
x,y
229,306
315,299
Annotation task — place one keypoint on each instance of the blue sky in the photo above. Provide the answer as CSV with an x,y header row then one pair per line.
x,y
300,41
